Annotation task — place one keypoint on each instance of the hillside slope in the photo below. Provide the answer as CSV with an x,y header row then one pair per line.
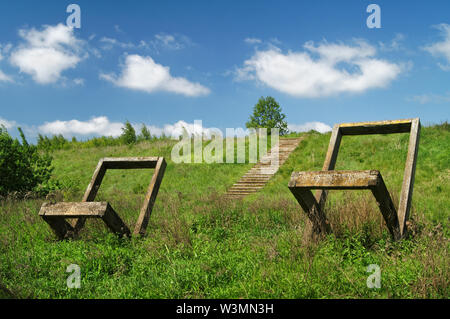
x,y
200,245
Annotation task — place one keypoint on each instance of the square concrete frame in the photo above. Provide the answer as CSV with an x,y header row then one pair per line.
x,y
364,128
54,214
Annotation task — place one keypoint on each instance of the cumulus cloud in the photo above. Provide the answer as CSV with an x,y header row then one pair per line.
x,y
102,126
4,50
306,127
6,123
441,49
322,70
47,53
196,128
4,77
144,74
177,129
95,126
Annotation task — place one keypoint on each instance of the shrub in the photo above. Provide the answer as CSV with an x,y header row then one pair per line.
x,y
128,134
145,134
22,167
57,142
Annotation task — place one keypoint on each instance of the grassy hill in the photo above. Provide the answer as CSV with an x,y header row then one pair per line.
x,y
199,245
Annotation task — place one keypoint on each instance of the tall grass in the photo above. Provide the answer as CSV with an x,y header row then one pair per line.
x,y
201,245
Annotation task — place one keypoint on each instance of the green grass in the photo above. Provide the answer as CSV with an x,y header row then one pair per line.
x,y
199,245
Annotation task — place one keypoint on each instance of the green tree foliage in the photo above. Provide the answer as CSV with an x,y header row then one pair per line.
x,y
145,134
22,167
267,114
128,134
55,143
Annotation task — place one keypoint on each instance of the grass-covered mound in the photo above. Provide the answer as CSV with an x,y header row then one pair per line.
x,y
200,245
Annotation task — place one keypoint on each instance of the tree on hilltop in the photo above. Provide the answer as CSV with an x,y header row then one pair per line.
x,y
267,113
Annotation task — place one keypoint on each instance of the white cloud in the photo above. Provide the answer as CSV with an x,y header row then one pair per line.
x,y
323,70
177,129
3,50
143,74
7,124
196,128
95,126
109,43
5,78
430,98
171,41
118,29
441,49
47,53
395,45
78,81
166,39
306,127
102,126
252,40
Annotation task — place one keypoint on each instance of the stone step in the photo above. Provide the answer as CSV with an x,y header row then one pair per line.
x,y
258,176
255,179
264,171
258,183
269,163
243,183
257,170
240,193
246,187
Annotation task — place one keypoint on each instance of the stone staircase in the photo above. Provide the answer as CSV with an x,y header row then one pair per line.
x,y
258,176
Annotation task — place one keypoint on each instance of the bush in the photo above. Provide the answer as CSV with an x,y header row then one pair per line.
x,y
128,134
145,134
22,167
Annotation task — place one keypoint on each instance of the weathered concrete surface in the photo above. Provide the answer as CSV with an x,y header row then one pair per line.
x,y
396,221
301,184
55,214
335,179
74,209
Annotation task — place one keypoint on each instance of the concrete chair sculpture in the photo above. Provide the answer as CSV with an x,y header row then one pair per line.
x,y
56,213
302,183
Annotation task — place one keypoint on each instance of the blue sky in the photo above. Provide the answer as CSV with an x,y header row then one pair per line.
x,y
169,63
